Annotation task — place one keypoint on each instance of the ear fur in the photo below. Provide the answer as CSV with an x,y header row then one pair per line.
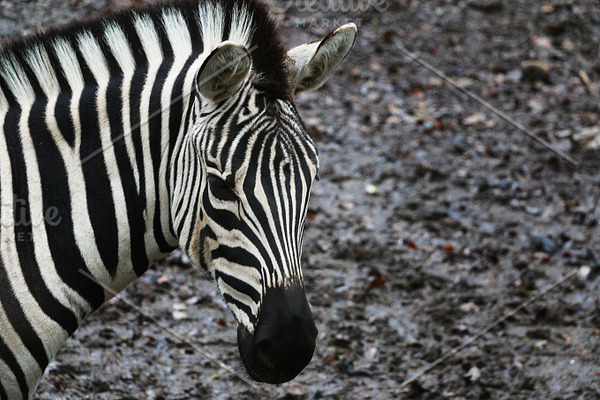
x,y
312,63
223,71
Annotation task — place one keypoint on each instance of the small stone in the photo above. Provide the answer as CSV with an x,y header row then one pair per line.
x,y
371,189
545,243
465,83
488,6
474,119
535,70
589,137
474,374
469,307
179,315
568,45
583,272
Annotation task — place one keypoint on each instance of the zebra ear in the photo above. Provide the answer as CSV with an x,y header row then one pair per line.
x,y
312,63
223,71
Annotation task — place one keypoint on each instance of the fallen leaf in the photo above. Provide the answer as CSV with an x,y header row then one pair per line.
x,y
163,280
469,307
474,119
411,244
474,374
589,137
179,315
377,282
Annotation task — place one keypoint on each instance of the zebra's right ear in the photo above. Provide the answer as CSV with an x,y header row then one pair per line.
x,y
223,71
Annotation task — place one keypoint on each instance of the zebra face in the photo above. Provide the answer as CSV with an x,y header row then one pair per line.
x,y
258,166
254,164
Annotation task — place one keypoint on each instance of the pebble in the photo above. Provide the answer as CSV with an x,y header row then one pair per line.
x,y
486,5
589,137
474,374
544,243
535,70
583,272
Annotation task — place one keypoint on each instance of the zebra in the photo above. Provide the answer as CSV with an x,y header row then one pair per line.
x,y
155,128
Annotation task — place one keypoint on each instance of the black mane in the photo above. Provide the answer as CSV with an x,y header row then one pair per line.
x,y
267,52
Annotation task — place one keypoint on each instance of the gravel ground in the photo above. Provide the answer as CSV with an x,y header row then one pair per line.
x,y
433,219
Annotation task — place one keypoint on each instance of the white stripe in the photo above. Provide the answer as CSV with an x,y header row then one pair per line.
x,y
92,53
211,19
3,104
40,64
16,81
151,44
70,66
177,32
116,40
240,315
121,49
248,275
72,72
241,26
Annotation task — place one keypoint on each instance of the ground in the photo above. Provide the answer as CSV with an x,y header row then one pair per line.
x,y
435,225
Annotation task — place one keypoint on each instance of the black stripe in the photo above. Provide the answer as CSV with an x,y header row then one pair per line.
x,y
155,129
3,395
189,170
135,95
60,75
9,359
135,215
233,254
61,239
162,35
245,309
190,179
62,112
195,212
100,201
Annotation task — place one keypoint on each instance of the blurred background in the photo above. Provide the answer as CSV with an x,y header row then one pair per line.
x,y
433,217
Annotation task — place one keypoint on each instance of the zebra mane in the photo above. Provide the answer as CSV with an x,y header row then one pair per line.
x,y
182,28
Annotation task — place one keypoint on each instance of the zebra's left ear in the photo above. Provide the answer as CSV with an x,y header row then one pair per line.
x,y
312,63
223,71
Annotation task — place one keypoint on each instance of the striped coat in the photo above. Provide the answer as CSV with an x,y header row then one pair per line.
x,y
156,128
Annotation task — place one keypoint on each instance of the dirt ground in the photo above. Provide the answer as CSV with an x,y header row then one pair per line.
x,y
433,219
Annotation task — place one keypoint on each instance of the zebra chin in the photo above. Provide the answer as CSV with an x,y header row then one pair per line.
x,y
283,341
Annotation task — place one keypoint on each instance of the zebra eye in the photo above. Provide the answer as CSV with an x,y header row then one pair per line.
x,y
220,189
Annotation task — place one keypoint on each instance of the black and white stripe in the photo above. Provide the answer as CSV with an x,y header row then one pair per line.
x,y
111,156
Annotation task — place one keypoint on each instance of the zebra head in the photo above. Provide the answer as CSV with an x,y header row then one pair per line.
x,y
254,167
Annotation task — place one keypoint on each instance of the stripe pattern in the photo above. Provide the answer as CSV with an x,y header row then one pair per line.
x,y
110,160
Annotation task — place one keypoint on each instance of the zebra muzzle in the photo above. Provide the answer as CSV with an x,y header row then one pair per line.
x,y
283,341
